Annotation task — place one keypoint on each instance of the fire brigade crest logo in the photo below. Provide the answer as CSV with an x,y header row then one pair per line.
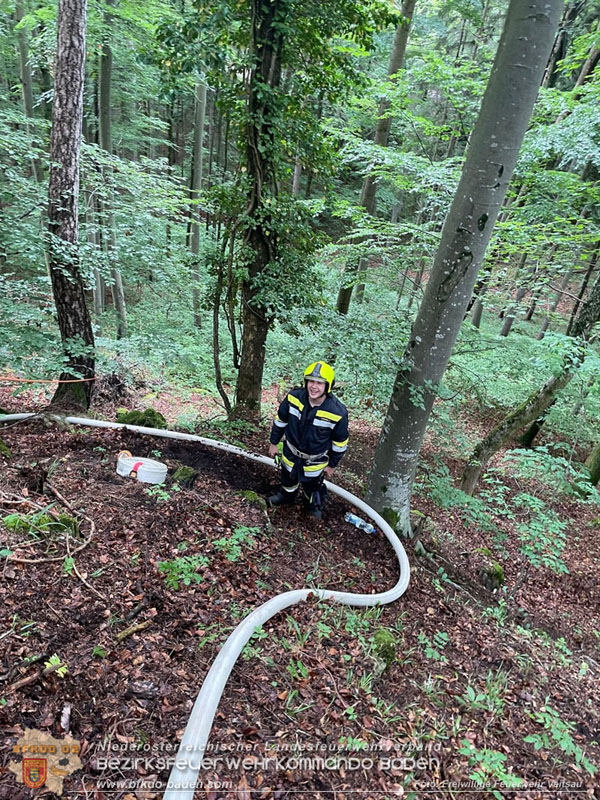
x,y
35,771
46,761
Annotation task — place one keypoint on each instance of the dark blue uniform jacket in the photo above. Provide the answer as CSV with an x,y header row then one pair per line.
x,y
314,430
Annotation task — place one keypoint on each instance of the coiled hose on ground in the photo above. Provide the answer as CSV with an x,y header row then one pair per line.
x,y
184,774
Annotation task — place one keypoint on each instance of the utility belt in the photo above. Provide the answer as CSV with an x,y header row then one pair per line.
x,y
305,456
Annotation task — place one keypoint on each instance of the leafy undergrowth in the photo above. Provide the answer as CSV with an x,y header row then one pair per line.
x,y
446,686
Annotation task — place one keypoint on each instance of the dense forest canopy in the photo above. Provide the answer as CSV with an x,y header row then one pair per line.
x,y
260,184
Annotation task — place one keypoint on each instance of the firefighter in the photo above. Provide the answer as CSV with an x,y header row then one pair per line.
x,y
314,427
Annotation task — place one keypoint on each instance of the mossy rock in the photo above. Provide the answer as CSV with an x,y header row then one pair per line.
x,y
145,419
252,497
5,449
385,645
492,576
185,477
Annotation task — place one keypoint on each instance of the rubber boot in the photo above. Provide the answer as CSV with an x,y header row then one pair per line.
x,y
281,498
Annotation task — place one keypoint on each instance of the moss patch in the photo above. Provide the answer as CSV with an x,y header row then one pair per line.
x,y
145,419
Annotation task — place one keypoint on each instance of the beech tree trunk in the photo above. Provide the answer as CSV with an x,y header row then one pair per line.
x,y
105,141
368,197
196,186
26,81
63,194
522,290
557,298
268,22
503,119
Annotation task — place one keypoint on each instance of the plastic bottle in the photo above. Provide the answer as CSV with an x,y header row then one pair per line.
x,y
359,523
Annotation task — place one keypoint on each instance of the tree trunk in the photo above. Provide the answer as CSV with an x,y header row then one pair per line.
x,y
63,194
196,187
587,69
26,82
557,298
538,403
105,141
296,179
511,314
368,197
592,462
530,410
582,291
559,49
503,119
268,22
478,310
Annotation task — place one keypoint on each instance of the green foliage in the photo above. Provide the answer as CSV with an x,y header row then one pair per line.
x,y
149,418
56,665
542,533
41,524
233,545
557,734
433,649
560,474
543,536
68,565
490,765
182,570
160,494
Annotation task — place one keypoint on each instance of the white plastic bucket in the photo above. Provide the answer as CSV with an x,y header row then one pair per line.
x,y
142,469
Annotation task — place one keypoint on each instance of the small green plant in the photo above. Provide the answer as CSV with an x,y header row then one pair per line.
x,y
557,735
492,698
490,766
160,494
292,707
56,664
182,570
99,652
232,546
350,743
554,470
68,565
297,670
302,637
211,633
498,612
433,650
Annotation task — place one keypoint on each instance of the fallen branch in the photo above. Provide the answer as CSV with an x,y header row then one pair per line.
x,y
140,626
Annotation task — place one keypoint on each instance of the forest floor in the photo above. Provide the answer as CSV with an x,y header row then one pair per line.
x,y
495,686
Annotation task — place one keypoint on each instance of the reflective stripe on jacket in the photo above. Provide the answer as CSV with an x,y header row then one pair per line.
x,y
312,429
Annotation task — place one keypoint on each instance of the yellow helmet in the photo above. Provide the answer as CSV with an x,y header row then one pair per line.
x,y
320,371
